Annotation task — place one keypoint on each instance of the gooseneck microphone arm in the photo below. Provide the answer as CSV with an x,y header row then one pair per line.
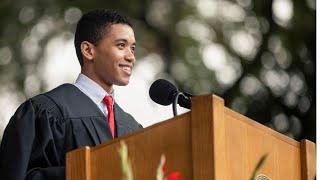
x,y
175,102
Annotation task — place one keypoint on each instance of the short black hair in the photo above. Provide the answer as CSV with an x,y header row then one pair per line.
x,y
93,25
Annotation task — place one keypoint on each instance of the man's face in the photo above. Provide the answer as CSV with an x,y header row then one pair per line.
x,y
114,55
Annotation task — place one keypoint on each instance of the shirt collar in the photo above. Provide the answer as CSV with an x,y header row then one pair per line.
x,y
92,89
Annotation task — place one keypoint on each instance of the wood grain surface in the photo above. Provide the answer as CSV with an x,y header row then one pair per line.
x,y
210,142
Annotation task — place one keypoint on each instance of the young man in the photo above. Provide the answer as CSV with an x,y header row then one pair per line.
x,y
47,126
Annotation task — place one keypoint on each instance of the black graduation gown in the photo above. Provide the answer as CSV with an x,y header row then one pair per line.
x,y
45,127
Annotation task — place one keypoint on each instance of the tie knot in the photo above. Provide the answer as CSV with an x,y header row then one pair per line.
x,y
108,100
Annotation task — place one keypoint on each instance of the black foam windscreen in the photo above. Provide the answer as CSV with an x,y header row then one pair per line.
x,y
162,92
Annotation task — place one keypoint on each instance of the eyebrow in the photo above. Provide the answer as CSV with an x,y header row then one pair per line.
x,y
126,41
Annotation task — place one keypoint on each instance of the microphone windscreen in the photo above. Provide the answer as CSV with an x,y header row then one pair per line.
x,y
162,92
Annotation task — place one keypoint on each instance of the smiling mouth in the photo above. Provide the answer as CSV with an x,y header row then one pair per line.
x,y
126,68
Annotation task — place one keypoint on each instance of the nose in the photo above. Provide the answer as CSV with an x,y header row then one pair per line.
x,y
130,56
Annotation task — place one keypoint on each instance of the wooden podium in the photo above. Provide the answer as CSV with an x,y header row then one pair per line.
x,y
209,142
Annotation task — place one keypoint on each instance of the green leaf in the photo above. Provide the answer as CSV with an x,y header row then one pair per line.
x,y
258,166
125,162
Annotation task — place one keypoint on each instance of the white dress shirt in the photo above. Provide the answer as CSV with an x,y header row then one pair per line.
x,y
94,91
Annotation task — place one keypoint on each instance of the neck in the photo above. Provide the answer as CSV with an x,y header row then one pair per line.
x,y
107,87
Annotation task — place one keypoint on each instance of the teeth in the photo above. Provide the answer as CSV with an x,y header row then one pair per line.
x,y
126,68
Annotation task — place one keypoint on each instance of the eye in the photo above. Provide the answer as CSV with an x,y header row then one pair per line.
x,y
121,45
133,48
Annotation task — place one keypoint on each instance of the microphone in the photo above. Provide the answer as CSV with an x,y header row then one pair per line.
x,y
163,92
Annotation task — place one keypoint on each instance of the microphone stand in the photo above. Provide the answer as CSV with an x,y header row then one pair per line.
x,y
186,96
175,102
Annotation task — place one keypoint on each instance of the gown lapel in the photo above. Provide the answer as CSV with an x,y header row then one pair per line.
x,y
120,117
92,130
95,121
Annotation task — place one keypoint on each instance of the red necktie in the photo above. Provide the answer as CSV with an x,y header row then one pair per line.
x,y
108,102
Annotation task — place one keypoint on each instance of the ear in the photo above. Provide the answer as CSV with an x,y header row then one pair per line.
x,y
87,50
